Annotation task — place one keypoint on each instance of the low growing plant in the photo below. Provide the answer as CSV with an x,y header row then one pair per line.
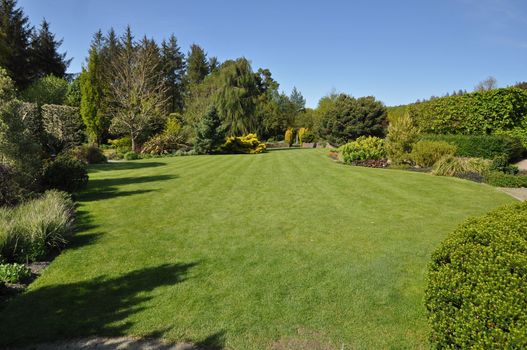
x,y
131,155
89,154
248,144
457,166
500,179
65,174
14,273
475,295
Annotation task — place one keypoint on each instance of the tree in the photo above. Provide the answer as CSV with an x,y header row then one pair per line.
x,y
214,64
210,134
46,90
45,58
402,135
351,118
298,100
137,89
73,94
63,126
236,97
173,63
92,97
487,84
197,65
14,42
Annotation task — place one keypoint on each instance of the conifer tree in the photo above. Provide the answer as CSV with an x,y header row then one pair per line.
x,y
45,58
298,100
197,65
210,133
14,43
173,65
92,97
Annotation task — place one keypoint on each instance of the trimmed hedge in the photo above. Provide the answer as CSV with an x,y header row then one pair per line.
x,y
499,179
482,146
477,283
481,112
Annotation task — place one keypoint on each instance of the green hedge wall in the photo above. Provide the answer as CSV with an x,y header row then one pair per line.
x,y
482,112
482,146
477,284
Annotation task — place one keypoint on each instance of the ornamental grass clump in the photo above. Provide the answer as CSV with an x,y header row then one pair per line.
x,y
33,229
458,166
477,282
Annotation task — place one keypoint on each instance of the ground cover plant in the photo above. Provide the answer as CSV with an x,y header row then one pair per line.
x,y
247,252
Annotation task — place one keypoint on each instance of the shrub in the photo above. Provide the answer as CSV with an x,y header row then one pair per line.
x,y
33,229
402,135
309,137
63,126
499,179
482,146
248,144
288,137
482,112
349,118
89,154
457,166
475,295
121,145
364,148
427,153
10,190
131,155
500,163
46,90
210,134
14,273
65,174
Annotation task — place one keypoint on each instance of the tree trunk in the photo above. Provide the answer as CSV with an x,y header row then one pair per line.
x,y
132,137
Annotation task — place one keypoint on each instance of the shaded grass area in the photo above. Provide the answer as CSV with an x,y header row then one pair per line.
x,y
249,252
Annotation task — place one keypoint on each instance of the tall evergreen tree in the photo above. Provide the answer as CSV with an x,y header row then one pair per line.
x,y
197,65
92,97
45,58
214,64
298,100
14,42
173,65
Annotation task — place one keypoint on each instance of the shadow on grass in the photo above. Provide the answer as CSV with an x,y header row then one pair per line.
x,y
100,189
94,307
124,166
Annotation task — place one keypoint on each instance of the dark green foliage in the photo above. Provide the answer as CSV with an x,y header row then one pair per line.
x,y
197,65
15,53
46,90
309,137
14,273
131,155
349,118
65,174
63,127
501,163
477,283
73,94
482,146
173,65
427,153
481,112
11,193
500,179
89,154
45,58
210,133
297,100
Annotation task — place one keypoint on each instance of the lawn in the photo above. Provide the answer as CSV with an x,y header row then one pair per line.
x,y
279,250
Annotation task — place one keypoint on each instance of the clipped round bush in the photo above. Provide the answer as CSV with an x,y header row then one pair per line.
x,y
427,153
131,155
65,174
363,148
89,154
477,283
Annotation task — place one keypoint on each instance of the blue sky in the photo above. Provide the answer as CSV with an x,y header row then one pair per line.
x,y
398,51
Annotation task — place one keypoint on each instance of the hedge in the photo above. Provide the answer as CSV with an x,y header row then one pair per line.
x,y
482,146
477,283
482,112
499,179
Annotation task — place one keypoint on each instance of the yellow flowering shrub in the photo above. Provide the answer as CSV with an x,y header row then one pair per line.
x,y
248,144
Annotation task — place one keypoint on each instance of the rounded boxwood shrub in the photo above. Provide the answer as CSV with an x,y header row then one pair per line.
x,y
89,154
65,174
477,283
131,155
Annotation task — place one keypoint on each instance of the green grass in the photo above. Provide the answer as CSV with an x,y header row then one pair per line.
x,y
249,252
